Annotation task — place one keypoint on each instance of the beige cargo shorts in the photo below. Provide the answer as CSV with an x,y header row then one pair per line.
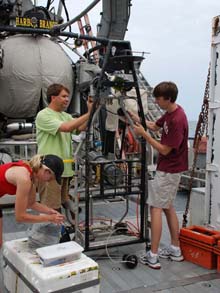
x,y
162,189
52,194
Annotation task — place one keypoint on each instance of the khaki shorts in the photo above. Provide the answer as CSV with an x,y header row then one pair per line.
x,y
162,189
52,194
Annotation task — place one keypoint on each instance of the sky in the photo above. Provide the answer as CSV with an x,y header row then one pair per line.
x,y
177,34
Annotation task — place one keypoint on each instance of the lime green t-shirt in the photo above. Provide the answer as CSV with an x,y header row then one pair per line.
x,y
52,141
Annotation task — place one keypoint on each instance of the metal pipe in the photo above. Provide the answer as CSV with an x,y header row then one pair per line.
x,y
52,32
194,178
85,11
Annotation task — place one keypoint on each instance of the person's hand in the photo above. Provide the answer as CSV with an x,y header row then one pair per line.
x,y
138,129
89,104
134,117
52,211
57,218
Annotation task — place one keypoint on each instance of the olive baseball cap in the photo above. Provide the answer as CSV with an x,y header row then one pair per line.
x,y
55,164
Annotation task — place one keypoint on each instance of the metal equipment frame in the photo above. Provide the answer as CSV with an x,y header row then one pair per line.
x,y
132,184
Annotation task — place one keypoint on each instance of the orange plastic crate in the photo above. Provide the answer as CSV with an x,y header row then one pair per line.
x,y
217,252
199,253
201,234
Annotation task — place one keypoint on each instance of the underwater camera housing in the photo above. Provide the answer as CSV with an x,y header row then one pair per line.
x,y
89,77
87,73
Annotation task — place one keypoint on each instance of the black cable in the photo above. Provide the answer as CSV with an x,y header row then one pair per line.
x,y
67,17
49,2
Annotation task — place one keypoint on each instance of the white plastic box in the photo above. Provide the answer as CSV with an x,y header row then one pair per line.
x,y
59,253
24,273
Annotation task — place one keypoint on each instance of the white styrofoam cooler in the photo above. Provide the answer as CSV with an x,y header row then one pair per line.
x,y
24,273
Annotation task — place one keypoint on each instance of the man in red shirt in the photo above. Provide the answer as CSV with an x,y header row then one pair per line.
x,y
172,160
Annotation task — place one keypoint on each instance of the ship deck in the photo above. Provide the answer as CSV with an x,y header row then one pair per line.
x,y
177,277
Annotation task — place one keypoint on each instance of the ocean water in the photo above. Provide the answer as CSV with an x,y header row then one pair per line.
x,y
192,128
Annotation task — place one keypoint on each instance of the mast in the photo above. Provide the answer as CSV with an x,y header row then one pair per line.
x,y
212,197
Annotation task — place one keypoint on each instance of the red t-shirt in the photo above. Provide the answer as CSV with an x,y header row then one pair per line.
x,y
175,135
5,186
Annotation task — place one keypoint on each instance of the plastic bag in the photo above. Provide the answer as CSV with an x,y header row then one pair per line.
x,y
65,236
43,234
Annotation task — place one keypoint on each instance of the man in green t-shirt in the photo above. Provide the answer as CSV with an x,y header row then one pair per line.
x,y
54,128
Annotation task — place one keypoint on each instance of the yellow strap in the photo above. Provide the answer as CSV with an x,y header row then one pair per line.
x,y
69,161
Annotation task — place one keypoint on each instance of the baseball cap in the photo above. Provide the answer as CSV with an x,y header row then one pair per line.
x,y
55,164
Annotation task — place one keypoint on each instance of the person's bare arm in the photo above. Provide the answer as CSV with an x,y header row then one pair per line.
x,y
41,208
71,125
24,188
150,125
89,106
78,123
161,148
